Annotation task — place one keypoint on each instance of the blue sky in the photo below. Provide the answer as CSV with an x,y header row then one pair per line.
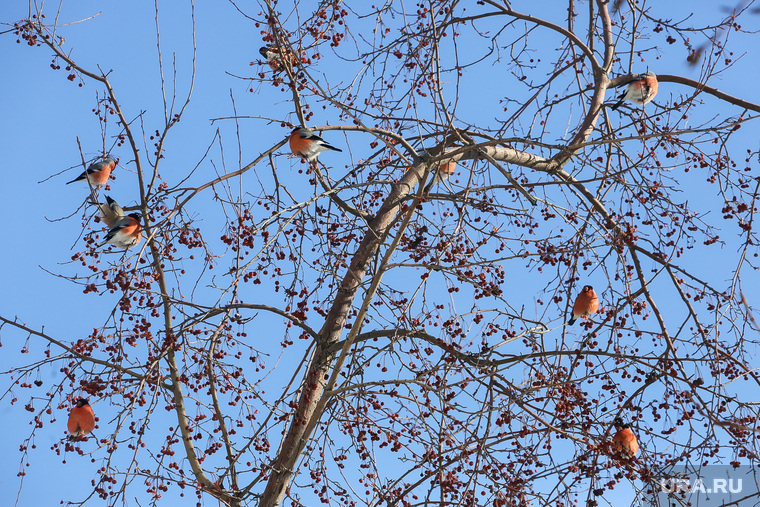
x,y
44,114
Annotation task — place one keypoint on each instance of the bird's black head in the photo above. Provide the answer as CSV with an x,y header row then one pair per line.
x,y
587,288
81,402
136,216
296,129
263,50
618,423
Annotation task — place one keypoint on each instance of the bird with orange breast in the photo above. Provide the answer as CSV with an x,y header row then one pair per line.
x,y
586,304
81,419
639,91
443,172
624,443
126,232
97,173
306,144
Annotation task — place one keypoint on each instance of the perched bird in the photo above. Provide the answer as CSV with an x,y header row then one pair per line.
x,y
306,144
586,304
271,55
97,174
639,91
274,57
624,442
81,419
110,212
442,172
269,52
126,232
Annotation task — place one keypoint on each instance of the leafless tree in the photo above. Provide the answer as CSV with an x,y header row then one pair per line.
x,y
362,336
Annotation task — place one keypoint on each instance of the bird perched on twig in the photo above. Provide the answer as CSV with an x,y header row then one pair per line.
x,y
97,173
306,144
81,419
585,304
126,232
110,212
274,57
624,442
639,91
440,173
443,172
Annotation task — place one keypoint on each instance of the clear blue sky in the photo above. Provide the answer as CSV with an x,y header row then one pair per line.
x,y
43,114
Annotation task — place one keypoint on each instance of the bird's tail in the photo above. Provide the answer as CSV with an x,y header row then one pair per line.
x,y
619,103
330,147
571,321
